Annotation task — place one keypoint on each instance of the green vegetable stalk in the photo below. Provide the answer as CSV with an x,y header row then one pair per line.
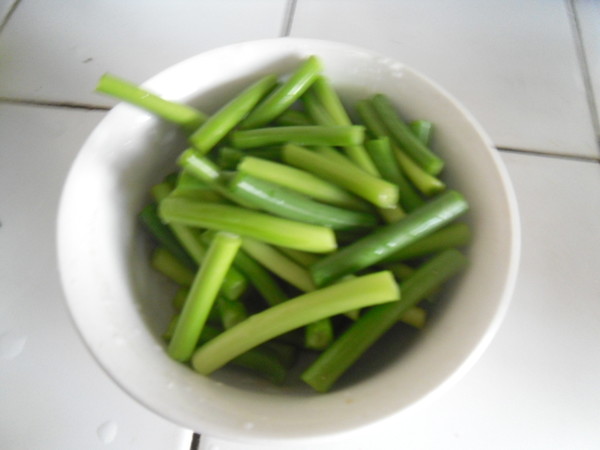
x,y
225,119
403,135
257,225
360,292
165,262
287,203
301,181
386,240
375,190
202,295
285,95
304,135
187,117
331,103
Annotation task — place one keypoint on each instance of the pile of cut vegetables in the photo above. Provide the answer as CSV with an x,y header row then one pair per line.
x,y
291,228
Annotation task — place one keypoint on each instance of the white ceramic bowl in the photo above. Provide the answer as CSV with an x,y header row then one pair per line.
x,y
121,307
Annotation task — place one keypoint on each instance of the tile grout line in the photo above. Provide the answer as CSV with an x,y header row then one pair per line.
x,y
55,104
588,159
9,14
289,18
585,69
91,107
195,444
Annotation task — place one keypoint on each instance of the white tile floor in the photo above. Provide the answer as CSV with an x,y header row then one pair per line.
x,y
513,63
516,64
56,51
53,394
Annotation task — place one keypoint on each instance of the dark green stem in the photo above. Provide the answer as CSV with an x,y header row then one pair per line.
x,y
386,240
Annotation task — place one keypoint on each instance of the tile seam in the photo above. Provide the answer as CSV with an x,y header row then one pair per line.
x,y
585,69
289,18
9,14
195,444
55,104
544,154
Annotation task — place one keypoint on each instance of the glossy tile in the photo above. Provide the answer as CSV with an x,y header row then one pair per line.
x,y
588,19
54,394
56,51
513,64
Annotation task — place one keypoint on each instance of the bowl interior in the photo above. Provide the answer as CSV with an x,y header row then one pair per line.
x,y
121,307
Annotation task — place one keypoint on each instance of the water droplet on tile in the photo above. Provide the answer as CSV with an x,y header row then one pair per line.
x,y
11,345
107,432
